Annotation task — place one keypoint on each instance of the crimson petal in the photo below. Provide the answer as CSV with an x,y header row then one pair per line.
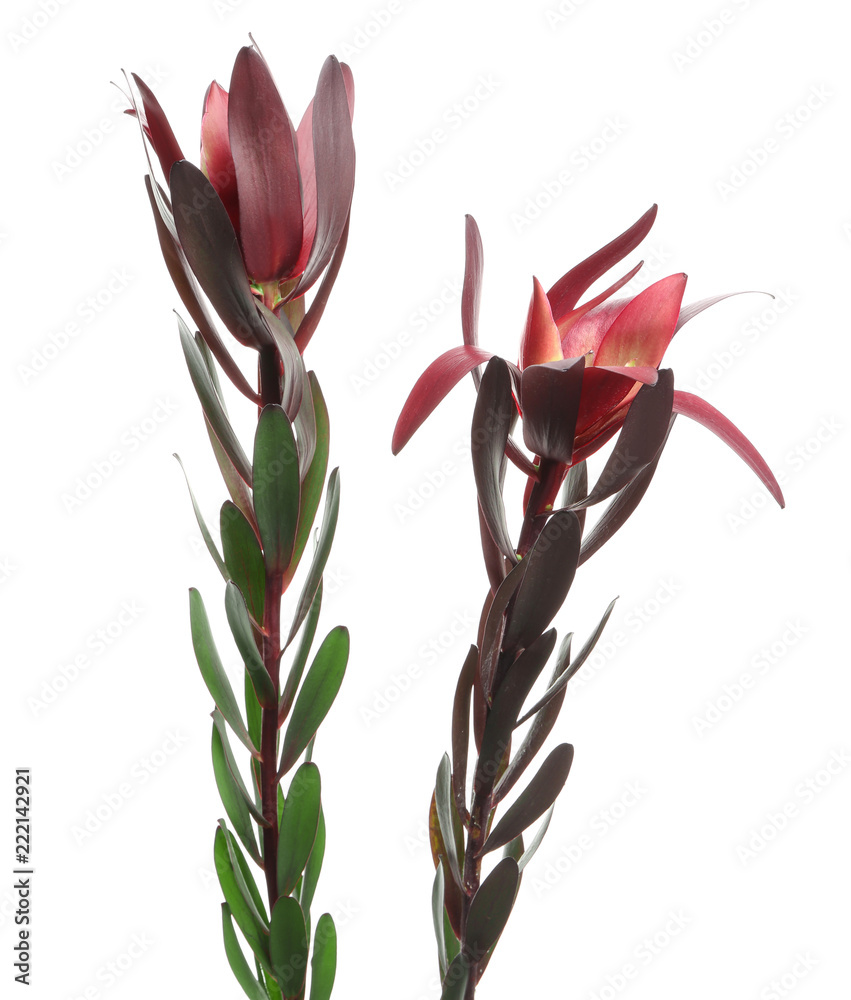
x,y
209,242
262,142
541,343
334,166
643,329
435,382
471,294
567,291
690,311
704,413
216,159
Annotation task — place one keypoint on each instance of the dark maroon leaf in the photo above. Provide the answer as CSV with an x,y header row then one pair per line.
x,y
643,433
493,417
549,399
308,325
158,129
209,242
550,568
534,800
575,488
461,729
490,909
494,630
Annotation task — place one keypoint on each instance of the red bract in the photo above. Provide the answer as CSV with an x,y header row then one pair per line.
x,y
268,211
581,366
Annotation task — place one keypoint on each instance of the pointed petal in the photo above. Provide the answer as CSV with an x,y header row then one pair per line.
x,y
216,159
434,383
307,168
334,169
550,397
642,332
690,311
262,142
541,342
157,128
585,337
704,413
567,291
209,242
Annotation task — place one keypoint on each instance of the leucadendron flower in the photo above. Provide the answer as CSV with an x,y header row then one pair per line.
x,y
267,211
581,366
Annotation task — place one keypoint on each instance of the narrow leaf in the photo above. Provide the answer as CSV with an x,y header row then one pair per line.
x,y
243,634
288,946
455,983
243,558
300,658
235,803
461,729
313,868
530,851
299,824
490,909
212,670
253,989
323,962
236,777
276,486
202,525
445,808
320,554
317,694
244,914
437,896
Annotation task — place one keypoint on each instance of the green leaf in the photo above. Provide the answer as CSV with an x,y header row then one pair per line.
x,y
253,714
317,694
534,800
445,808
239,492
288,945
276,486
211,404
299,826
437,897
212,670
243,634
245,878
212,548
455,983
244,913
300,658
314,480
234,800
313,868
305,428
254,990
251,801
323,964
243,558
320,554
490,909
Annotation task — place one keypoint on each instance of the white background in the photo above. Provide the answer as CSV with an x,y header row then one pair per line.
x,y
709,572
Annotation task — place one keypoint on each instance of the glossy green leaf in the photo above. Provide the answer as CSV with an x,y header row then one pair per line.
x,y
314,480
490,909
300,658
251,801
245,878
243,634
292,363
244,913
288,945
305,428
212,548
253,989
316,696
320,554
534,800
437,912
299,826
455,982
239,492
243,558
234,800
445,808
212,670
323,964
276,486
211,404
313,868
253,714
453,900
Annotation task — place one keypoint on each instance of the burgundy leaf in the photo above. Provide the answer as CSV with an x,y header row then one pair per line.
x,y
157,128
308,325
549,397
